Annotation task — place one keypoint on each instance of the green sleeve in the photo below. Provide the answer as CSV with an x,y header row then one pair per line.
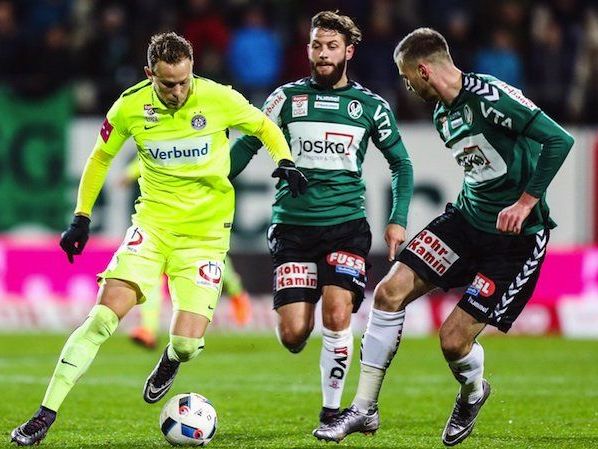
x,y
401,182
556,143
388,140
241,153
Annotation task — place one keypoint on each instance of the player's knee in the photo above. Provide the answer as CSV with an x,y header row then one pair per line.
x,y
292,337
387,298
186,348
101,324
453,343
336,320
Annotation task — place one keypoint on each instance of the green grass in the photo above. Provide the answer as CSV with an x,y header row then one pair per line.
x,y
545,394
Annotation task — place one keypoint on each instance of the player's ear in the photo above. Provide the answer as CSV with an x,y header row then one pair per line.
x,y
423,71
148,72
349,52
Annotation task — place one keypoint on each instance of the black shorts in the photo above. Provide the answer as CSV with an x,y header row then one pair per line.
x,y
305,258
499,270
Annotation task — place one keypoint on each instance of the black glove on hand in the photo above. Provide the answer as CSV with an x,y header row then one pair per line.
x,y
73,240
297,181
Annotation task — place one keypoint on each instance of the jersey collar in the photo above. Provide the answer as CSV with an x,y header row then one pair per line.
x,y
316,86
459,98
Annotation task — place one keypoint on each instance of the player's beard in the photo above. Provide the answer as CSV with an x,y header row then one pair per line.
x,y
328,81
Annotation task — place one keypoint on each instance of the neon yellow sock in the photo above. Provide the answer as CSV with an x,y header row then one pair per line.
x,y
78,352
183,349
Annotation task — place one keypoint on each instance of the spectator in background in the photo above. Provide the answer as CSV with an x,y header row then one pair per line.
x,y
116,69
205,27
372,65
500,59
458,33
551,63
10,41
296,65
41,15
255,55
44,66
583,99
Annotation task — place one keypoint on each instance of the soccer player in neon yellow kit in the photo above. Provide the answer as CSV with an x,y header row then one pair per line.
x,y
146,333
183,217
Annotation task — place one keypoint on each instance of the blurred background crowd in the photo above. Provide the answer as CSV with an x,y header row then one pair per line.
x,y
548,48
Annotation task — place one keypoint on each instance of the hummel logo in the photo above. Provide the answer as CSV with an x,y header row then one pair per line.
x,y
67,363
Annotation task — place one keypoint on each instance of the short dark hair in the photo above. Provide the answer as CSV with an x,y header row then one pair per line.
x,y
168,47
332,20
421,43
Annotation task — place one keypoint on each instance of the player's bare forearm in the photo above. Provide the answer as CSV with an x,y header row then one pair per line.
x,y
510,219
394,235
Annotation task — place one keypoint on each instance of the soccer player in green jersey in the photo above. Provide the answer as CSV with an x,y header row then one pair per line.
x,y
320,241
182,222
491,241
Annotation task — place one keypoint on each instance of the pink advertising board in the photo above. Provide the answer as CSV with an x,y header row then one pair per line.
x,y
40,289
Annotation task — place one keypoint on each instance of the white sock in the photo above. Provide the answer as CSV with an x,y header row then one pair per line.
x,y
378,347
335,360
469,371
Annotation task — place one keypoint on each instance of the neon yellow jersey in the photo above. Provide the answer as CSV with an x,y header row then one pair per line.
x,y
184,154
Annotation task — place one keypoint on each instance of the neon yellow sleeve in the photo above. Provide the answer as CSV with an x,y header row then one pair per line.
x,y
250,120
110,140
132,171
92,180
274,141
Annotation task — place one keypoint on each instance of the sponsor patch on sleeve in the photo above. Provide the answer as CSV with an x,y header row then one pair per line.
x,y
106,130
296,275
273,104
347,263
432,251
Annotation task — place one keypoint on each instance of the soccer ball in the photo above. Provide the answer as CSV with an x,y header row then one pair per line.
x,y
188,419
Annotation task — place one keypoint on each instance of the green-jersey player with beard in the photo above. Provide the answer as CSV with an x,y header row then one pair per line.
x,y
319,242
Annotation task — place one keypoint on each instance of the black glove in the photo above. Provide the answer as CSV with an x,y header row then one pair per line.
x,y
73,240
297,181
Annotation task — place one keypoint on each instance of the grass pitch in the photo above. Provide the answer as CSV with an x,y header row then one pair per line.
x,y
545,394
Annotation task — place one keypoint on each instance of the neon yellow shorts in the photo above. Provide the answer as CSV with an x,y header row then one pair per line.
x,y
194,266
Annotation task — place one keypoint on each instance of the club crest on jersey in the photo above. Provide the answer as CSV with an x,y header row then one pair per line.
x,y
149,113
299,105
354,109
198,122
444,127
209,274
467,115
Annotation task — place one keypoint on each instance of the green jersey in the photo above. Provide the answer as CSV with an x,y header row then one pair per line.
x,y
328,131
506,146
183,154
